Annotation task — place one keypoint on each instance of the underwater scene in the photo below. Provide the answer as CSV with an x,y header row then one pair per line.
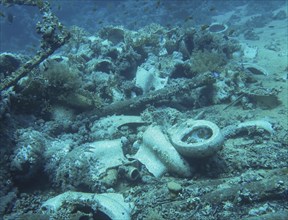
x,y
143,109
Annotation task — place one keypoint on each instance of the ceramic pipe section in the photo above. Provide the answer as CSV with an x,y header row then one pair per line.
x,y
131,173
257,125
159,156
112,204
196,138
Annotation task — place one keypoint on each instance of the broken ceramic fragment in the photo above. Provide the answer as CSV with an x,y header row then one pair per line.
x,y
255,69
111,205
108,126
159,156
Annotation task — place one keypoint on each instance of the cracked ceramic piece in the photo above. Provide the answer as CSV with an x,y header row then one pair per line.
x,y
249,52
108,153
255,69
196,138
108,126
258,124
149,79
232,130
111,204
159,156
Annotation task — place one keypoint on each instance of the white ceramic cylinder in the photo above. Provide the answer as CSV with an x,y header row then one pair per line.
x,y
196,138
159,156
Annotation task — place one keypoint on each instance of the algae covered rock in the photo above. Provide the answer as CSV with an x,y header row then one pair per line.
x,y
27,160
174,187
9,63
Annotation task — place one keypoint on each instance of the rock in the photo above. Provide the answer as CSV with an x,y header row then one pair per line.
x,y
9,63
249,52
281,15
174,187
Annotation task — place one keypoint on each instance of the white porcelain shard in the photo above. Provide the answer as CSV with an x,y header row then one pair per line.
x,y
144,79
149,79
152,162
159,156
259,124
249,52
111,204
108,153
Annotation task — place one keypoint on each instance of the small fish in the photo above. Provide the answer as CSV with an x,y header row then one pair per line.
x,y
225,37
142,2
215,74
204,27
146,9
2,14
271,26
45,67
188,18
32,47
10,17
231,32
162,40
158,4
212,9
94,8
109,5
40,3
168,25
58,59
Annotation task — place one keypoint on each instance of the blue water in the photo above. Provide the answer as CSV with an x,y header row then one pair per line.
x,y
58,121
18,34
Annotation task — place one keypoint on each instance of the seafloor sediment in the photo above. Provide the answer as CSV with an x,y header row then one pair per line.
x,y
107,115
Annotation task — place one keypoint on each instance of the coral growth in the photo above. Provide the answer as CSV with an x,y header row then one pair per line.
x,y
207,61
60,77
